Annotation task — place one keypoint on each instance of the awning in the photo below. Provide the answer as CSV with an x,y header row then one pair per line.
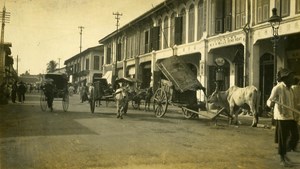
x,y
108,76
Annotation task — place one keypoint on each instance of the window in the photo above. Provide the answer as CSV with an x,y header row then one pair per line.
x,y
183,14
178,30
87,64
285,6
146,41
159,35
108,55
165,32
191,24
172,30
96,63
240,14
119,51
298,6
262,11
155,38
201,20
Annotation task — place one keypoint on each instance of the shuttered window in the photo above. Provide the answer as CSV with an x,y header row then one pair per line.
x,y
96,63
108,55
178,30
298,6
200,20
285,7
240,18
146,35
172,30
165,32
262,11
87,64
155,39
183,33
227,17
191,24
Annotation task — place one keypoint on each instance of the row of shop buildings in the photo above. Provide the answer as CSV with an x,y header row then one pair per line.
x,y
233,36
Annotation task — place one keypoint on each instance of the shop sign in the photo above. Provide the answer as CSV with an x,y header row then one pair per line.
x,y
226,40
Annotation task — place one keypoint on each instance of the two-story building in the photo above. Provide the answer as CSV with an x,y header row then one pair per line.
x,y
85,65
234,34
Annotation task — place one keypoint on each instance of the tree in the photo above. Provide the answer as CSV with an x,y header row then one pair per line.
x,y
51,66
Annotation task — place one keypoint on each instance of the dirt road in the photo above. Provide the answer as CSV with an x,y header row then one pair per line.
x,y
77,139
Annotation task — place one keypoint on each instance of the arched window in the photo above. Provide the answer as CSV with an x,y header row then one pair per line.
x,y
165,32
191,24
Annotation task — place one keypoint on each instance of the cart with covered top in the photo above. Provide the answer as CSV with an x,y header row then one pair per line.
x,y
179,89
99,91
60,90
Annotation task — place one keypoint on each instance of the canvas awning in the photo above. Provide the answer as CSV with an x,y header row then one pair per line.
x,y
108,76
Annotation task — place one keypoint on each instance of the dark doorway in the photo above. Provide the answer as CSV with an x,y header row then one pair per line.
x,y
266,77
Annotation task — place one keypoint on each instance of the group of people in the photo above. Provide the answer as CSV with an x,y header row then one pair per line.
x,y
18,92
284,101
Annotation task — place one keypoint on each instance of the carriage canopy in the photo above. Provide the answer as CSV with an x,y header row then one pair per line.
x,y
178,72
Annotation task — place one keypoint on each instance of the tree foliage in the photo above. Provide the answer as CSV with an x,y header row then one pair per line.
x,y
51,66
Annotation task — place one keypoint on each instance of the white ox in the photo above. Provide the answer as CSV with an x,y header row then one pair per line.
x,y
234,98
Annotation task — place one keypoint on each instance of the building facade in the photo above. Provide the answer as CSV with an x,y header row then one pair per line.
x,y
227,40
82,67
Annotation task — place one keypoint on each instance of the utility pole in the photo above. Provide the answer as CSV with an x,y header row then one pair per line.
x,y
80,27
4,19
117,17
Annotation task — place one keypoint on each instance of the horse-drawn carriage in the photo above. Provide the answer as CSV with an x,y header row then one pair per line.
x,y
179,89
60,90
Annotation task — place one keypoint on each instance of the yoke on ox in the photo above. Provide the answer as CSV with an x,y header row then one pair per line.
x,y
234,98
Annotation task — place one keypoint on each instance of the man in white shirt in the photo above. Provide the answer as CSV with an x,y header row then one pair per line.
x,y
286,133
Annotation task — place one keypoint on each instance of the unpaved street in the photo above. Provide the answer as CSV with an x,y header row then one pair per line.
x,y
77,139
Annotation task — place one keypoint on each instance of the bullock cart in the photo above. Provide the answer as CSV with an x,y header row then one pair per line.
x,y
179,89
99,91
60,85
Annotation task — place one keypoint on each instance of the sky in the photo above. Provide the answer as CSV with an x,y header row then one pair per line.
x,y
45,30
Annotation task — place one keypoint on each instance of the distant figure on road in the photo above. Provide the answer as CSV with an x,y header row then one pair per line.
x,y
14,92
48,89
21,92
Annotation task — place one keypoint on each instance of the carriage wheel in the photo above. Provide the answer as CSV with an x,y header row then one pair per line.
x,y
135,104
160,103
65,102
92,101
188,114
43,102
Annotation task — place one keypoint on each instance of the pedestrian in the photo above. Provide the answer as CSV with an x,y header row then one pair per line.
x,y
120,96
14,92
83,93
48,89
21,92
286,131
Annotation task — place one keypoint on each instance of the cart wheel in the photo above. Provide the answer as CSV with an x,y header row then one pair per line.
x,y
160,103
43,102
92,101
135,104
187,114
65,102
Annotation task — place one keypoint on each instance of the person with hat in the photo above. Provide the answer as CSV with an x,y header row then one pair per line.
x,y
48,89
286,131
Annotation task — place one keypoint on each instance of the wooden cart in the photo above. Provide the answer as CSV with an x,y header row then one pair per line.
x,y
179,89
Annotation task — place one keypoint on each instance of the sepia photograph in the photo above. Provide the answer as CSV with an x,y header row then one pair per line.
x,y
149,84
